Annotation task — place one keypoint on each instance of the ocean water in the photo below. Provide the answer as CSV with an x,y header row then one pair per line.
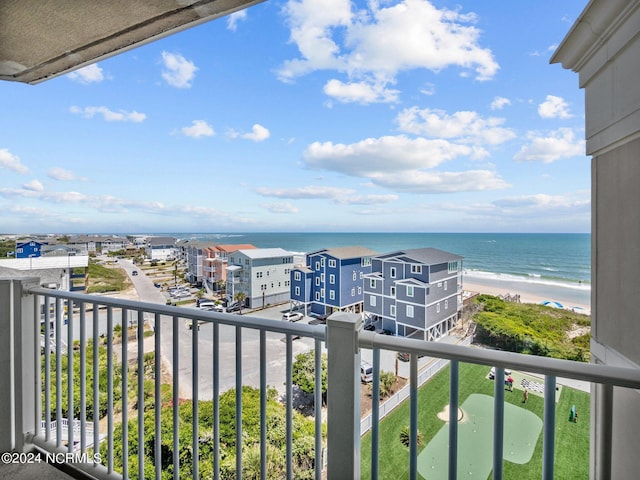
x,y
544,264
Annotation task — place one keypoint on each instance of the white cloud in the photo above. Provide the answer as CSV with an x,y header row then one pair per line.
x,y
561,143
543,203
466,126
422,182
303,193
258,133
385,155
109,115
554,107
198,128
11,161
235,18
61,174
360,92
89,74
499,103
178,71
375,45
34,185
280,207
367,199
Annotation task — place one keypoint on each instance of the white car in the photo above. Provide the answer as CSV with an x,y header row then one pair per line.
x,y
292,316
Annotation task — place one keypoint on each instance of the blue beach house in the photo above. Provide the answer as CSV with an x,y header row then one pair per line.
x,y
414,293
332,280
29,249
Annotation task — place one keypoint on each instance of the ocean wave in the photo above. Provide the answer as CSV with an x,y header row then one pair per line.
x,y
529,279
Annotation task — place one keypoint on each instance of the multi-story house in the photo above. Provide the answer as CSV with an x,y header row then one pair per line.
x,y
160,248
193,256
214,263
29,249
331,280
263,275
414,293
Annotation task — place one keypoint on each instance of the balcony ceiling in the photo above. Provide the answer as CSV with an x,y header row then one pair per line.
x,y
41,39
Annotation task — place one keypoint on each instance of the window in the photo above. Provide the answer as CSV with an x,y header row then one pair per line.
x,y
438,307
332,295
322,277
452,267
392,272
354,276
372,283
445,286
297,292
446,304
317,281
317,296
392,310
365,261
332,263
353,292
297,276
317,265
393,291
409,290
322,293
359,290
409,311
361,275
322,261
372,301
416,268
332,279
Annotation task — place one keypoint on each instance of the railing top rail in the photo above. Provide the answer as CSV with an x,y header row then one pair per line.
x,y
605,374
245,321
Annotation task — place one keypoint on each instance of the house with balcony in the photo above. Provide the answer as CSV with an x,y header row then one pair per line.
x,y
214,263
414,293
263,275
331,280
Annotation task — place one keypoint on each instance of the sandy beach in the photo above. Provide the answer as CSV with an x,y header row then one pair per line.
x,y
531,293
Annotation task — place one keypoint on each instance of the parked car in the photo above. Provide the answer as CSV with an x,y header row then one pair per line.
x,y
370,326
292,316
383,331
366,372
205,305
135,272
157,285
234,307
492,373
404,356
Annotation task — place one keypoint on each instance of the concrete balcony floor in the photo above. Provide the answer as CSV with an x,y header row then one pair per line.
x,y
41,471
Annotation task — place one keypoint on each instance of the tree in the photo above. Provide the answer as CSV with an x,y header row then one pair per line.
x,y
387,380
240,297
304,373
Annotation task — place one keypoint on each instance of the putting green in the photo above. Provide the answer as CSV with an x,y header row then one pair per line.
x,y
475,440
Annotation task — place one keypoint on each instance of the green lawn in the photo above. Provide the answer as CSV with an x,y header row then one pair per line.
x,y
572,439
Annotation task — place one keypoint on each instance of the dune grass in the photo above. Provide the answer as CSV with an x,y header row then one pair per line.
x,y
572,439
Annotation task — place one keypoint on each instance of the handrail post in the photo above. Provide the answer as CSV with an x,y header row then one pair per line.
x,y
343,396
17,354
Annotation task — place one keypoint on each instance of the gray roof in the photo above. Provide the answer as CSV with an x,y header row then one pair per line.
x,y
426,256
347,252
161,241
265,253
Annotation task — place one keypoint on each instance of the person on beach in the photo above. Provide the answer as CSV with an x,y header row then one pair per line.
x,y
510,383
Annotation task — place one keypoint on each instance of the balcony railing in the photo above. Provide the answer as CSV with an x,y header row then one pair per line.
x,y
240,354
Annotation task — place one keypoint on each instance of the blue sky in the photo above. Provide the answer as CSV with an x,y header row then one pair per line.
x,y
309,115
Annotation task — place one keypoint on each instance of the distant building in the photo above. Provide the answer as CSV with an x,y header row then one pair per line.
x,y
67,273
28,249
414,293
160,248
262,274
214,263
332,280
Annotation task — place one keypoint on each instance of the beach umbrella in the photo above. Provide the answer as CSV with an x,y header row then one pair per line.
x,y
551,303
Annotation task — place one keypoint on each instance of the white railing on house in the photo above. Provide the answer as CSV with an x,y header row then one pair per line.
x,y
28,395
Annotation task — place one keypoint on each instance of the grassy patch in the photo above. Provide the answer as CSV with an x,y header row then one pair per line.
x,y
572,439
531,329
105,279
